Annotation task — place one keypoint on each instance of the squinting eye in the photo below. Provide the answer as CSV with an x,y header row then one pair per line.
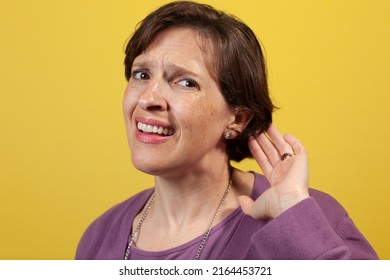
x,y
189,83
140,75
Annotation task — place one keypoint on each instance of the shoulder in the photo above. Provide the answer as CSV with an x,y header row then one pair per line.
x,y
316,228
117,211
327,202
114,220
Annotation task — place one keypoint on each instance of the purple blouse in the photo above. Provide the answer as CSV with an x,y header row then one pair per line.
x,y
316,228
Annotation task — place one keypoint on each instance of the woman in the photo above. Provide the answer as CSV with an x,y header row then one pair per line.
x,y
197,98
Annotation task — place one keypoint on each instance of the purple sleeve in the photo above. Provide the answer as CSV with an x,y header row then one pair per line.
x,y
304,232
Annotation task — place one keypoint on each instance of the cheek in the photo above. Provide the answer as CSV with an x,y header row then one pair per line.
x,y
208,112
129,99
207,117
214,111
197,114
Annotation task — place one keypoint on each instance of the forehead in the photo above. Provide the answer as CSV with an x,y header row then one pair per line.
x,y
175,35
182,45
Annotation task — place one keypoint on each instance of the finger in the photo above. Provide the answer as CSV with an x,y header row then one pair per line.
x,y
269,148
279,141
295,144
260,157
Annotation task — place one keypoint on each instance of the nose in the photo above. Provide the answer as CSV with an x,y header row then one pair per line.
x,y
152,98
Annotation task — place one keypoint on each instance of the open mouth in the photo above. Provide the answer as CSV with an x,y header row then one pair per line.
x,y
153,129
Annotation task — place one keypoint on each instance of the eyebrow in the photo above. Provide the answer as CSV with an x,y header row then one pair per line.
x,y
171,67
142,64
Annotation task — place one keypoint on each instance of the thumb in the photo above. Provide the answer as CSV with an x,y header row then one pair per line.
x,y
247,206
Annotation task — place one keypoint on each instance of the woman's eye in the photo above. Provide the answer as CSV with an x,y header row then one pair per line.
x,y
140,75
188,83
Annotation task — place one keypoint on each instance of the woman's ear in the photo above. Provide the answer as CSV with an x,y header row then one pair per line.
x,y
241,120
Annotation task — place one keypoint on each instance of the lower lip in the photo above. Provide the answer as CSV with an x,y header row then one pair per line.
x,y
151,138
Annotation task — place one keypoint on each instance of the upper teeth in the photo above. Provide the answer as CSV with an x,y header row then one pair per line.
x,y
154,129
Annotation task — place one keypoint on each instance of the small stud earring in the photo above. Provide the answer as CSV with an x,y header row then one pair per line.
x,y
228,134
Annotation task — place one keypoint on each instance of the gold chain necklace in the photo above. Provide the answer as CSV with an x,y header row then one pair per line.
x,y
205,236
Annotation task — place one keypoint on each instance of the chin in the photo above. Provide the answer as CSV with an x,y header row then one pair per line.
x,y
146,165
157,168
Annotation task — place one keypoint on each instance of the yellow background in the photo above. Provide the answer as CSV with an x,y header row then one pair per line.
x,y
63,155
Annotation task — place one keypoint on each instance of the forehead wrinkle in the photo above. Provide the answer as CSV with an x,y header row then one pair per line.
x,y
170,67
204,64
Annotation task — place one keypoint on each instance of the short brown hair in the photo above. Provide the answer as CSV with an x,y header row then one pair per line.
x,y
239,65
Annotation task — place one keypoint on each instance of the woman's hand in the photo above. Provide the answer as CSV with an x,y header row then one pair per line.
x,y
288,177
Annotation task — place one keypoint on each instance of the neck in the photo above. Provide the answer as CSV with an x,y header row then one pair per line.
x,y
181,213
190,198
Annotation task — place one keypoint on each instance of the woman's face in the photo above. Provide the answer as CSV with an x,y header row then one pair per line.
x,y
175,114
